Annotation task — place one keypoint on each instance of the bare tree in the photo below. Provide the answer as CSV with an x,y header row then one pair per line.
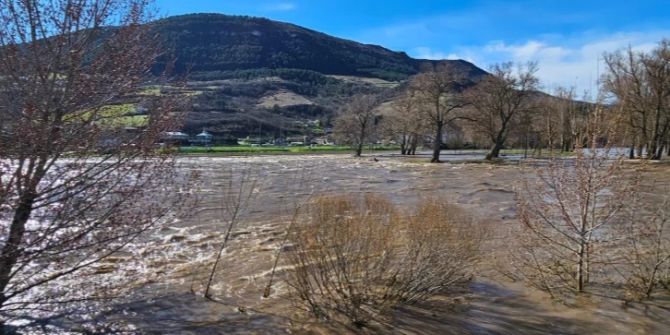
x,y
355,125
405,123
559,120
498,100
437,90
567,216
550,119
641,84
238,191
74,189
527,131
571,122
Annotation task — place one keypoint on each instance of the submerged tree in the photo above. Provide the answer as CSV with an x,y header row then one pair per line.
x,y
404,123
356,123
640,82
567,216
77,186
499,99
438,92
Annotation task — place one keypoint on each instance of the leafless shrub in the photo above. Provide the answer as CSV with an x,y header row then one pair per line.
x,y
360,259
567,216
342,252
440,248
644,255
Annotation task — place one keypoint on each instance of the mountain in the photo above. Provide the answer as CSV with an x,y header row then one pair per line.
x,y
252,75
219,43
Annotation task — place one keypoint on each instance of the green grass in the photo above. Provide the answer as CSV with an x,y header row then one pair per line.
x,y
126,121
244,149
150,91
120,115
116,110
155,90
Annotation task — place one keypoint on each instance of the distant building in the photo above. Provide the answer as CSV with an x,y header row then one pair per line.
x,y
323,140
174,137
296,139
204,138
250,140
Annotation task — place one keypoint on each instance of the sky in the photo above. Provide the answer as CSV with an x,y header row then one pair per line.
x,y
567,38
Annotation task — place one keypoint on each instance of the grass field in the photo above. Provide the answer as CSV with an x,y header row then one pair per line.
x,y
126,121
111,116
120,116
152,90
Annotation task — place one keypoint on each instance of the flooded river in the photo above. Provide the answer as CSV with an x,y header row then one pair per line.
x,y
489,305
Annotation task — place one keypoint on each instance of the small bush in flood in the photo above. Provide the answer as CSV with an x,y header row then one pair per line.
x,y
358,259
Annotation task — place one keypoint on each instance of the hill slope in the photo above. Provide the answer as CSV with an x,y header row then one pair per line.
x,y
253,75
216,42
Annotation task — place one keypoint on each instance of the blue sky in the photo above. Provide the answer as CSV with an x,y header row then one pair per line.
x,y
567,37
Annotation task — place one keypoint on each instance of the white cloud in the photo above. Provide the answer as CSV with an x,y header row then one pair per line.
x,y
525,51
564,62
280,6
474,33
428,53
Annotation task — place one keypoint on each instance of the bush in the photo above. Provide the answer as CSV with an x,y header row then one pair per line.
x,y
359,259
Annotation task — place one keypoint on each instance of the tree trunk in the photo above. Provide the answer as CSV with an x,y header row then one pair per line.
x,y
437,143
497,146
361,139
659,152
654,152
656,138
580,267
631,150
662,140
414,143
12,248
525,146
494,153
359,149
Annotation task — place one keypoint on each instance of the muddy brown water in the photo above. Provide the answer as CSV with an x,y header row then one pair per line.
x,y
488,305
